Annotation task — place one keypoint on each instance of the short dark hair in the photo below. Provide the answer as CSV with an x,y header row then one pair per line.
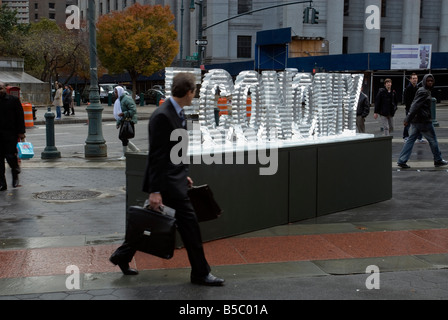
x,y
182,84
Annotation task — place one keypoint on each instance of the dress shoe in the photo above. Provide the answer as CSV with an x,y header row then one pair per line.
x,y
208,280
124,266
15,181
3,185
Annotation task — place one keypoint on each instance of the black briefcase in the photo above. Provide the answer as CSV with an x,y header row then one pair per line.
x,y
204,203
151,231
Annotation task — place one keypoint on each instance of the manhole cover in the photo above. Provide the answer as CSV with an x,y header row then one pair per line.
x,y
68,195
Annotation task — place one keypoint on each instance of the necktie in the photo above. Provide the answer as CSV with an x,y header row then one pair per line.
x,y
182,117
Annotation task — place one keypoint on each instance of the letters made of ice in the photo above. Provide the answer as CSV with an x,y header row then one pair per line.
x,y
272,106
169,75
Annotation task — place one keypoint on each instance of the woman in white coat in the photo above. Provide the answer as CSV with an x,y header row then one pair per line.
x,y
124,107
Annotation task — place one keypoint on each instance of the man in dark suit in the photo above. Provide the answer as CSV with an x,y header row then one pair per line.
x,y
167,183
12,128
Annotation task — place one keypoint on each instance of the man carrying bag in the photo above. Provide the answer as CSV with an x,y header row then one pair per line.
x,y
167,183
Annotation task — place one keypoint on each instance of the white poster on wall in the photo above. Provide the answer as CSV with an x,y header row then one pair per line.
x,y
411,57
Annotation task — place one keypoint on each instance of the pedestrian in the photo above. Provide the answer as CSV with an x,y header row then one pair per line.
x,y
125,109
409,95
362,112
66,100
72,103
386,104
57,102
167,183
12,129
420,119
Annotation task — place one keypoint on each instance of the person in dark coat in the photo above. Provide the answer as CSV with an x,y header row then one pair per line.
x,y
386,104
420,119
67,99
167,181
409,95
12,129
362,112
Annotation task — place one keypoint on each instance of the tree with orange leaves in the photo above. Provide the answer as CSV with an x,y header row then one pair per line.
x,y
140,40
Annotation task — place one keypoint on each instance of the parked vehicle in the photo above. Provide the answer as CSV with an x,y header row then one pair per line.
x,y
105,89
152,96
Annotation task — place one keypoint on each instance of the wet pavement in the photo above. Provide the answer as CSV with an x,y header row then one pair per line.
x,y
69,215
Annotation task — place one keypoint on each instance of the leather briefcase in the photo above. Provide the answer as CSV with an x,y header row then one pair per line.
x,y
151,231
204,203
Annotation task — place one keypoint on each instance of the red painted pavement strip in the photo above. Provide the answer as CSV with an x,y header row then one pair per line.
x,y
232,251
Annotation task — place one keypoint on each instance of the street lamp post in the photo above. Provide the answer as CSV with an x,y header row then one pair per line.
x,y
192,8
95,144
182,34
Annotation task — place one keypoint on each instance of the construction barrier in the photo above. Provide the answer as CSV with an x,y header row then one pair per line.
x,y
222,105
28,113
248,107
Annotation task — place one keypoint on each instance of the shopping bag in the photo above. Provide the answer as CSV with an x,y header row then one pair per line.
x,y
25,150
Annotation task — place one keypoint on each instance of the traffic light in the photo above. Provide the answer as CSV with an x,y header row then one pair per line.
x,y
306,15
314,16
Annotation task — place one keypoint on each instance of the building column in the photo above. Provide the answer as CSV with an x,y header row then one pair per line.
x,y
219,37
372,36
443,38
290,14
411,22
335,25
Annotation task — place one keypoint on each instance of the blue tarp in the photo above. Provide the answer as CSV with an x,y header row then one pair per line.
x,y
273,37
271,49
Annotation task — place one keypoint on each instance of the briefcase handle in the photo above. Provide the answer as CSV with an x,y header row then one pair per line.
x,y
166,211
147,206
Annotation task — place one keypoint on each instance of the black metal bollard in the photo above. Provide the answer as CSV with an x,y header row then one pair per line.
x,y
50,151
434,112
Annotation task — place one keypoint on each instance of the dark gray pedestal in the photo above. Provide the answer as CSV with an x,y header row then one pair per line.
x,y
311,181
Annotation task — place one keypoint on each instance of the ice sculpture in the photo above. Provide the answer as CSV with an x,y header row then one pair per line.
x,y
284,106
170,73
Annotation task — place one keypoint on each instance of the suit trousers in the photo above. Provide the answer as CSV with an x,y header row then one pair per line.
x,y
188,227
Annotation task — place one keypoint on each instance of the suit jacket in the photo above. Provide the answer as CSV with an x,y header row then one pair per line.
x,y
12,123
162,175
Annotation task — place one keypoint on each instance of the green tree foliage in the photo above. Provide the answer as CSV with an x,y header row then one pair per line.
x,y
49,50
11,32
8,21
